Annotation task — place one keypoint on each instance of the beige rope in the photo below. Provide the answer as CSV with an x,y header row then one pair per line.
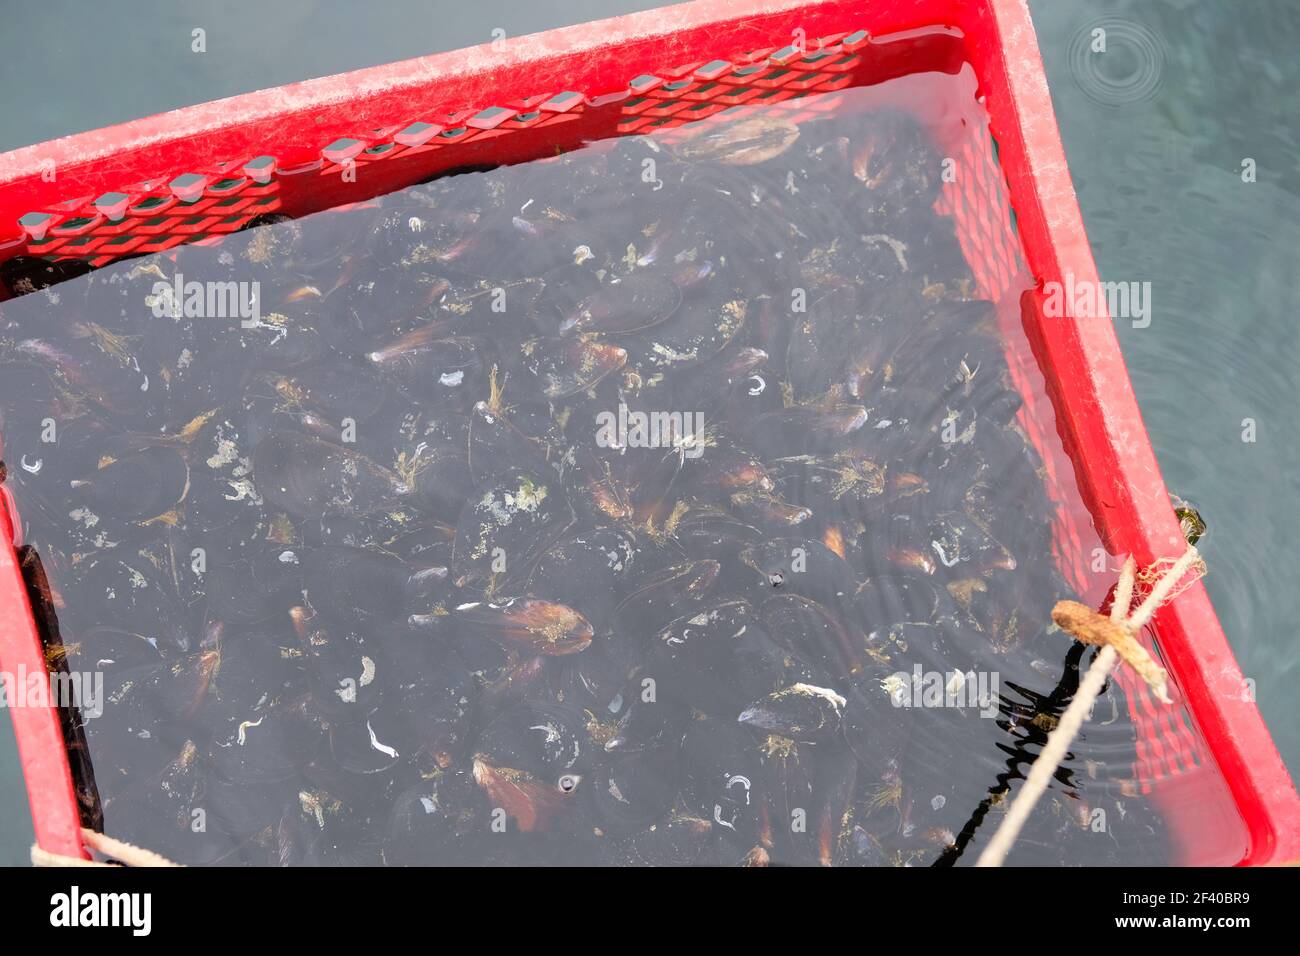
x,y
125,854
1117,635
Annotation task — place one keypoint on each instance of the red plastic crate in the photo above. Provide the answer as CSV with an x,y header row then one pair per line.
x,y
207,170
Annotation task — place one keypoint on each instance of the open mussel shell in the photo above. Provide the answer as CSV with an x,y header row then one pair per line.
x,y
539,627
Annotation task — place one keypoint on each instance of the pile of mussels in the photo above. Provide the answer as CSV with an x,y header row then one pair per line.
x,y
595,510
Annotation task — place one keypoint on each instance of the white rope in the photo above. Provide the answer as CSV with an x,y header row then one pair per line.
x,y
126,854
1062,736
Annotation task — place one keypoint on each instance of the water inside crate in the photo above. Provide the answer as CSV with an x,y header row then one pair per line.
x,y
674,500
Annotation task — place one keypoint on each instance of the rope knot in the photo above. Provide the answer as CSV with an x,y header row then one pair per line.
x,y
1163,581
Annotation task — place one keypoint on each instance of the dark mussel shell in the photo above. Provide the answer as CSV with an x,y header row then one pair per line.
x,y
494,443
802,430
581,571
531,763
506,526
721,657
138,486
800,712
368,745
367,587
559,368
680,840
802,566
651,715
724,779
698,331
346,672
657,596
138,596
436,822
436,701
898,168
632,791
307,476
259,586
262,743
626,304
815,632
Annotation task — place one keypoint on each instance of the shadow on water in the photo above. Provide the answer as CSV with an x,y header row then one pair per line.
x,y
1020,754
